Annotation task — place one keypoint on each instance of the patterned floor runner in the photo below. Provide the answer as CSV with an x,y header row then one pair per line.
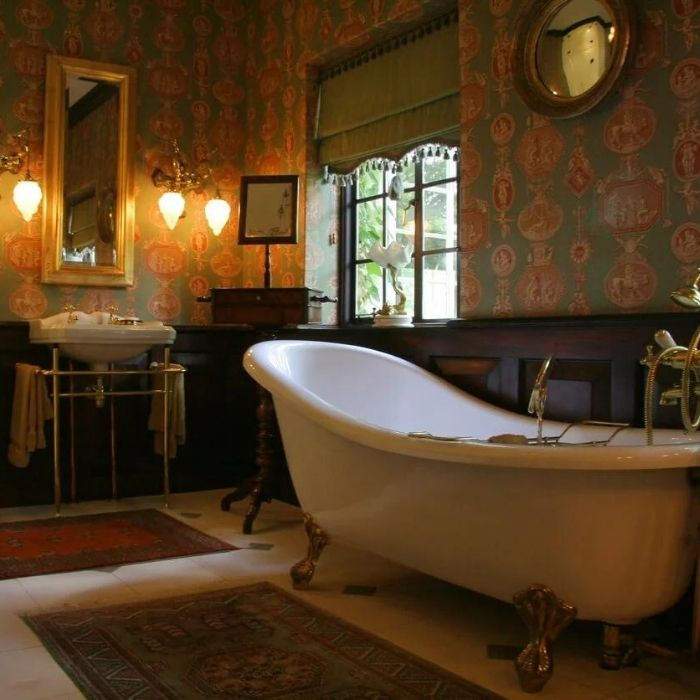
x,y
52,545
255,641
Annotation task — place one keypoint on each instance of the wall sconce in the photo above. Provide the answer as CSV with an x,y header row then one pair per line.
x,y
27,192
172,201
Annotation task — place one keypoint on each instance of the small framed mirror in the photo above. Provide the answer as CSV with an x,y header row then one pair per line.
x,y
268,209
570,54
88,223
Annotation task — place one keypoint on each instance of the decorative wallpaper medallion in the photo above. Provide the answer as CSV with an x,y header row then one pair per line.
x,y
469,41
28,301
166,259
540,288
685,242
540,150
631,205
631,127
35,14
541,218
502,129
631,282
23,253
226,266
165,304
503,260
685,79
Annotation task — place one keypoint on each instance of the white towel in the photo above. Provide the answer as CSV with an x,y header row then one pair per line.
x,y
30,408
176,418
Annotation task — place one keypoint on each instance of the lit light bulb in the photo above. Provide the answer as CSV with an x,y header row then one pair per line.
x,y
217,211
27,197
171,205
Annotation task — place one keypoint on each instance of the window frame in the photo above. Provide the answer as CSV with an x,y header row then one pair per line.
x,y
349,202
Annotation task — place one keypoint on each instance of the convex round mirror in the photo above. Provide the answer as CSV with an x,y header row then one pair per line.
x,y
571,53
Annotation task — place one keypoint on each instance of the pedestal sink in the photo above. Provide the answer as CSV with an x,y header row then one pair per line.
x,y
99,338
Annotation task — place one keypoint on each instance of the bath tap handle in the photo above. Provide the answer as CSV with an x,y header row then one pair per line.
x,y
539,390
664,339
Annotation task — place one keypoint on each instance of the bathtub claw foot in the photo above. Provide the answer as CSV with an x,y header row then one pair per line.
x,y
545,616
302,572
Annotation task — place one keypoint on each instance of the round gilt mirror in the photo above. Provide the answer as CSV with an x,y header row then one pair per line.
x,y
570,54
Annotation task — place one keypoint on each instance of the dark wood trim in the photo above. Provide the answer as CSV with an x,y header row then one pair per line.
x,y
596,370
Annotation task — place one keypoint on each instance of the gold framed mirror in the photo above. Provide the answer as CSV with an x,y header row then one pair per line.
x,y
570,54
89,135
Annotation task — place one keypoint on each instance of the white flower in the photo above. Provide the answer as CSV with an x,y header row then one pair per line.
x,y
394,254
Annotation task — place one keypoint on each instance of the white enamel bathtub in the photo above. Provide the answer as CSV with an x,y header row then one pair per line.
x,y
613,530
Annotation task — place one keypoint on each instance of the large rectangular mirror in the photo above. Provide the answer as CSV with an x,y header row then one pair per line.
x,y
89,132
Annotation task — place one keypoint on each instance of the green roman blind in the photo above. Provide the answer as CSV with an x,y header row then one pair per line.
x,y
391,98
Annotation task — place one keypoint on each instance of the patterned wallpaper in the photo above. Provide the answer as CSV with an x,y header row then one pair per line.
x,y
590,215
595,214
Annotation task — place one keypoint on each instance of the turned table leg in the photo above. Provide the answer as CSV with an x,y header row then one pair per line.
x,y
260,486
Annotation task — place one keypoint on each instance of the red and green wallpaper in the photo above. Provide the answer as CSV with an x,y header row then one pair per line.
x,y
595,214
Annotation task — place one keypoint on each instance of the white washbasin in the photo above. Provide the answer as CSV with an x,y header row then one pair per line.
x,y
92,338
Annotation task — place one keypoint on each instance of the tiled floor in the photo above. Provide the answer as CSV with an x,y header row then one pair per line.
x,y
440,622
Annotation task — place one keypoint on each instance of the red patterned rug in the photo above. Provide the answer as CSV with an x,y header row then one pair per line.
x,y
254,642
53,545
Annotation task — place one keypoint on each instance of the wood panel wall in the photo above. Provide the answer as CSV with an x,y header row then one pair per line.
x,y
596,375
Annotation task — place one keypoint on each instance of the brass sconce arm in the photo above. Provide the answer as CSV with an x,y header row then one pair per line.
x,y
184,179
12,162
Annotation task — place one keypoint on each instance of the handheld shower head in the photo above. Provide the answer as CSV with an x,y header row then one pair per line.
x,y
689,296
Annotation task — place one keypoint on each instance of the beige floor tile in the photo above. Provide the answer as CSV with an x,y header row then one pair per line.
x,y
435,620
31,674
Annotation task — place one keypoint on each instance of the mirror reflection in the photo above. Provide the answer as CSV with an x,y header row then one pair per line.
x,y
88,151
90,173
575,48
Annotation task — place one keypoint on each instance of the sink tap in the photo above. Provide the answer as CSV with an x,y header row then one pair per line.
x,y
112,314
72,316
538,396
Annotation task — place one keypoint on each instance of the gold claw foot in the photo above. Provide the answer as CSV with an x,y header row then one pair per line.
x,y
545,616
303,571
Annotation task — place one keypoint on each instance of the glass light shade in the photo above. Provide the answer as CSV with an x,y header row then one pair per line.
x,y
27,196
171,205
217,211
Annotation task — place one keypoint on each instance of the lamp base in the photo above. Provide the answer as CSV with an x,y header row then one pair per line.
x,y
391,320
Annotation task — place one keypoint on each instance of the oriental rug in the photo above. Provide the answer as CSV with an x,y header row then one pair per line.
x,y
247,643
53,545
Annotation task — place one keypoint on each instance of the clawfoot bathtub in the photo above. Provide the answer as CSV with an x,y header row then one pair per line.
x,y
388,457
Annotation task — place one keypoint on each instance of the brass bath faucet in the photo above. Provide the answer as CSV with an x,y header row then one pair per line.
x,y
685,359
538,396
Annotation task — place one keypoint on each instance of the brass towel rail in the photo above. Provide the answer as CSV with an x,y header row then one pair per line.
x,y
165,370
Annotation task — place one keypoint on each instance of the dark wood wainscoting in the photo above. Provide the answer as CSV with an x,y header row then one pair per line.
x,y
596,375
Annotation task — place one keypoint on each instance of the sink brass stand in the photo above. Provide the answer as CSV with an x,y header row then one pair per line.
x,y
99,394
